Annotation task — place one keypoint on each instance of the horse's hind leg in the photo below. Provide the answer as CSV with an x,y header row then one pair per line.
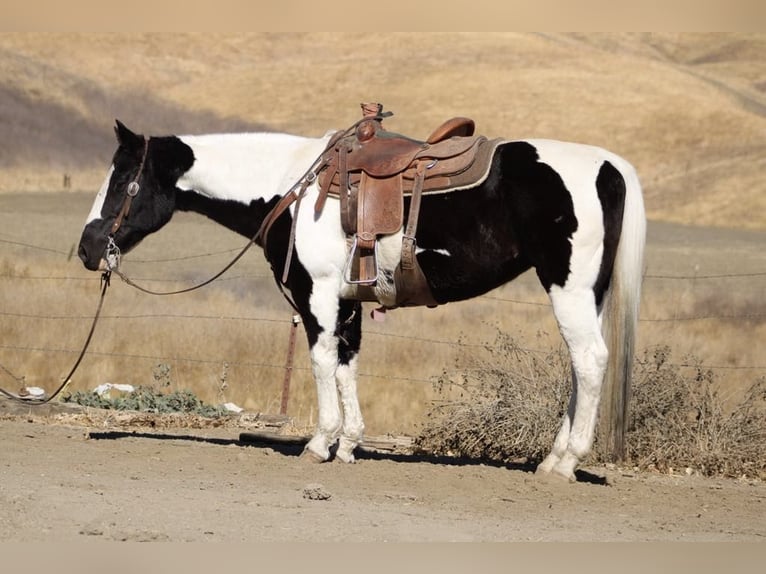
x,y
349,333
562,437
577,315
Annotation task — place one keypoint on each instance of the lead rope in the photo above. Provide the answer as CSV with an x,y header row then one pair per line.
x,y
113,255
37,402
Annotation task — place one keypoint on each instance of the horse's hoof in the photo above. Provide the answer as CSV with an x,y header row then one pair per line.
x,y
309,455
347,458
554,477
345,452
547,465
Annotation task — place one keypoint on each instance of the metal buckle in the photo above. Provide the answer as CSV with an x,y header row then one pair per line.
x,y
112,254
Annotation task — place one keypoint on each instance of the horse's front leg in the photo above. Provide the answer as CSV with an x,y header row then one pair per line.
x,y
320,323
349,333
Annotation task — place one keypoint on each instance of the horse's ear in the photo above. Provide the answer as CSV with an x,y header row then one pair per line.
x,y
125,136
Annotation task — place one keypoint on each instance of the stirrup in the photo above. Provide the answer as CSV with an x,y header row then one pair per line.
x,y
349,262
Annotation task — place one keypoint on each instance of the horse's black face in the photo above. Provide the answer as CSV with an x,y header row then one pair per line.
x,y
150,209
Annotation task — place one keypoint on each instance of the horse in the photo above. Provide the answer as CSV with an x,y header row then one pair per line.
x,y
571,211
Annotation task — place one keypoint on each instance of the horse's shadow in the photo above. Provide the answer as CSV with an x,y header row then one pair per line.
x,y
293,447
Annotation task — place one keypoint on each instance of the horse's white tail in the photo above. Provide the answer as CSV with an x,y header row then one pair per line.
x,y
620,316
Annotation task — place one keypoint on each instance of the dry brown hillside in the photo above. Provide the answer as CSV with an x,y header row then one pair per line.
x,y
689,110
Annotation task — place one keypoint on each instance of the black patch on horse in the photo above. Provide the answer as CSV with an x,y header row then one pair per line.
x,y
495,232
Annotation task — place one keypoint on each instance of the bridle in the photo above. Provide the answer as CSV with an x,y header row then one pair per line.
x,y
112,253
130,192
293,195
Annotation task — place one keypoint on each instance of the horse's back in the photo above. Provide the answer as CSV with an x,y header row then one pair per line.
x,y
579,162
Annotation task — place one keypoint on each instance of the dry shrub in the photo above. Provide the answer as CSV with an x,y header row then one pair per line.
x,y
504,403
680,419
500,402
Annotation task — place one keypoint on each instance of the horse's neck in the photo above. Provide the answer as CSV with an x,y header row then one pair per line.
x,y
235,178
246,167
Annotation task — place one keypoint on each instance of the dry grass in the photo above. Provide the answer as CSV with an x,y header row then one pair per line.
x,y
510,401
689,110
681,420
228,342
499,401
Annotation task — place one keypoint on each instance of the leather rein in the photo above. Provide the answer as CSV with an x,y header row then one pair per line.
x,y
130,192
41,401
293,195
112,254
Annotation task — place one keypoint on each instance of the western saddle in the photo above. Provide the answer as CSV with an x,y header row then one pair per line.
x,y
371,170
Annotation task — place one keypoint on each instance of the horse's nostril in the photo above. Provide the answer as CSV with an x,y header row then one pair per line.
x,y
90,264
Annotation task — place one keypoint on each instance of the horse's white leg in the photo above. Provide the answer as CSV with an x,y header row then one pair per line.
x,y
349,333
324,364
576,313
353,423
324,360
562,437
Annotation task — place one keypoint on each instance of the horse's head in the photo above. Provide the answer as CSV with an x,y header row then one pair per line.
x,y
137,197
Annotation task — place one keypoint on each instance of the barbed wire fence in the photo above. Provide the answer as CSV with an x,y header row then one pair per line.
x,y
9,275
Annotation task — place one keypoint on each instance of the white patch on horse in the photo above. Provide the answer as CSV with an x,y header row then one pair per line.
x,y
319,241
244,167
98,203
578,167
353,422
324,362
444,252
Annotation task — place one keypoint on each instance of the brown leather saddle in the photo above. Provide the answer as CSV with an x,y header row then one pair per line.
x,y
371,170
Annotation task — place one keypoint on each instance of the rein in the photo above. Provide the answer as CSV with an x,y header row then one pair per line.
x,y
113,255
293,195
37,402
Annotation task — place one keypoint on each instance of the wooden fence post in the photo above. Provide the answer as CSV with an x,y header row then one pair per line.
x,y
289,365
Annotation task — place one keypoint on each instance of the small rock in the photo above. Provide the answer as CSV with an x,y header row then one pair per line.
x,y
316,492
31,393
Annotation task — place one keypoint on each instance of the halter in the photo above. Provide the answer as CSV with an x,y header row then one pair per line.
x,y
112,257
130,192
112,252
293,195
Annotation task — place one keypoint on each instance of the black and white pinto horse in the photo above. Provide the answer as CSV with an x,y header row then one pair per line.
x,y
573,212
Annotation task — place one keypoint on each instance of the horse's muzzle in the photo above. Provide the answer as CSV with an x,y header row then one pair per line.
x,y
92,248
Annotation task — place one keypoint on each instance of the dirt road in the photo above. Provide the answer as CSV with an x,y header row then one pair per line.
x,y
65,480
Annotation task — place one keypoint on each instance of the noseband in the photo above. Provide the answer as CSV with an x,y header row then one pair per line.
x,y
130,192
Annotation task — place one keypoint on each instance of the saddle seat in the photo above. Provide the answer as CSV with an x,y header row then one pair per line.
x,y
371,170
